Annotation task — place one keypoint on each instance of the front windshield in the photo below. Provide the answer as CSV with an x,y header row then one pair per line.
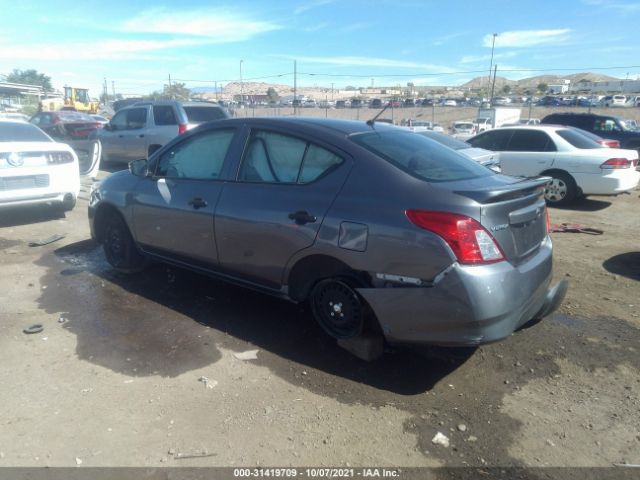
x,y
629,125
421,157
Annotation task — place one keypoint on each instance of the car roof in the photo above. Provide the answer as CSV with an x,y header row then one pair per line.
x,y
336,126
579,114
545,127
201,104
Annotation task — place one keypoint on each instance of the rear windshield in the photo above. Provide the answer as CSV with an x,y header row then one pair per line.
x,y
68,116
577,139
204,114
446,140
421,157
22,132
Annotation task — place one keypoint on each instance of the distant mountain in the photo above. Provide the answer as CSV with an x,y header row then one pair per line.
x,y
533,82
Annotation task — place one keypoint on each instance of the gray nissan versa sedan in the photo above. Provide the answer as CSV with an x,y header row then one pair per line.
x,y
378,228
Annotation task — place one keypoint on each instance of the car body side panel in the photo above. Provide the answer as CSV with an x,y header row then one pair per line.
x,y
526,164
254,233
166,224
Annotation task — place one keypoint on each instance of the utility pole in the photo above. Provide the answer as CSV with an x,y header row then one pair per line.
x,y
332,92
295,87
493,44
241,86
493,86
105,91
170,90
113,89
216,89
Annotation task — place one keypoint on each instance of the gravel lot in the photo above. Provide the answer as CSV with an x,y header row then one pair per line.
x,y
143,370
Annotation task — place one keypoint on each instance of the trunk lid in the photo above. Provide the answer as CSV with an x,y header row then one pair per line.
x,y
514,214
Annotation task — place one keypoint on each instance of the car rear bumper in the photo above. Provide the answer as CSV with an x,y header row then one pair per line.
x,y
39,185
609,182
470,305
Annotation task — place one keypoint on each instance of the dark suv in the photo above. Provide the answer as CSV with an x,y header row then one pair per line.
x,y
606,126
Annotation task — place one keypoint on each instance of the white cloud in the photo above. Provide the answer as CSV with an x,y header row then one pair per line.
x,y
355,26
445,39
486,58
317,27
368,62
215,26
527,38
314,4
625,7
97,50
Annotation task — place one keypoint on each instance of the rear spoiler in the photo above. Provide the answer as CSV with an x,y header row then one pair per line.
x,y
523,188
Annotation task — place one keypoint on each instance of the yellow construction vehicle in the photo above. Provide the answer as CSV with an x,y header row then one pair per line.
x,y
74,99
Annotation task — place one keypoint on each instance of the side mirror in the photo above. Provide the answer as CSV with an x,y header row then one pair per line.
x,y
139,167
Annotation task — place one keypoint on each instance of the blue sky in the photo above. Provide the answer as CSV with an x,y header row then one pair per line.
x,y
137,44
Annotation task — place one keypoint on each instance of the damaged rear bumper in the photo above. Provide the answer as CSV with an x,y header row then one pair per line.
x,y
469,305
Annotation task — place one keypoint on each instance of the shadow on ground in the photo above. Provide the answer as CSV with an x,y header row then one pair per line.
x,y
145,324
29,214
625,264
585,205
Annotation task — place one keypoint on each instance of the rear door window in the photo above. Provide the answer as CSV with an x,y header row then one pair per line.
x,y
578,140
204,114
275,158
530,141
136,118
495,140
164,115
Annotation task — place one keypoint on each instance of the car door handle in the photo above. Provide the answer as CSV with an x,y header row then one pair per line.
x,y
198,203
301,217
141,135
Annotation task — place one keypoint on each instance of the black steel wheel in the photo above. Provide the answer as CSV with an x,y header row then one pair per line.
x,y
119,248
337,308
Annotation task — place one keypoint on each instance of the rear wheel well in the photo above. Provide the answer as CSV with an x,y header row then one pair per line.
x,y
310,270
102,214
551,171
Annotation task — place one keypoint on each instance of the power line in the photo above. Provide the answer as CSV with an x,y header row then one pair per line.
x,y
233,79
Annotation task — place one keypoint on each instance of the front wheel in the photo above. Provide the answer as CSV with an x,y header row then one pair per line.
x,y
337,308
119,248
561,189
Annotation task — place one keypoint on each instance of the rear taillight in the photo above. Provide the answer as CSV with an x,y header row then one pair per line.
x,y
615,163
471,242
182,128
548,220
611,143
57,158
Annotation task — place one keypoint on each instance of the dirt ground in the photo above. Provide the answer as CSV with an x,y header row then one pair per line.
x,y
117,376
